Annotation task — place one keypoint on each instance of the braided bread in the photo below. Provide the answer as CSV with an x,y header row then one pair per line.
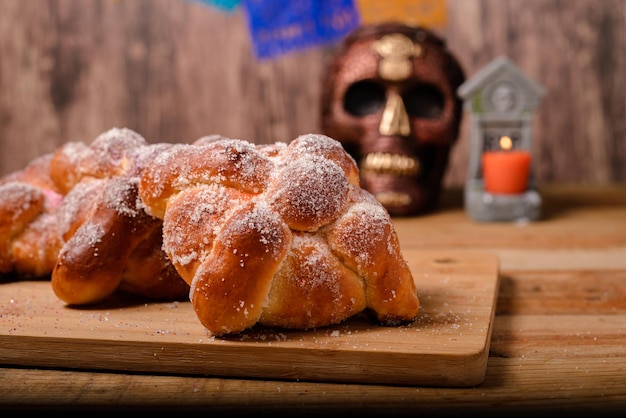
x,y
108,241
29,242
279,235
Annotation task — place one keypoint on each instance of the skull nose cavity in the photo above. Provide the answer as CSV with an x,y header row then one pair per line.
x,y
386,163
395,119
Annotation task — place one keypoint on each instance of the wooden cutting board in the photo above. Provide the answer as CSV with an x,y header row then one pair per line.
x,y
447,346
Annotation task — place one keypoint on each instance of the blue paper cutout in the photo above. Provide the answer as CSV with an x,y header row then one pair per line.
x,y
280,26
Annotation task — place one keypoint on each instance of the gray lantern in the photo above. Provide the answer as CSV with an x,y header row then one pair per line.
x,y
500,185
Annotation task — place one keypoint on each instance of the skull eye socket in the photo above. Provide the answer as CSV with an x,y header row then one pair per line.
x,y
364,98
423,101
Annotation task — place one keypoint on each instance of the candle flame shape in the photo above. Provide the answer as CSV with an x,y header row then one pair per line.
x,y
506,143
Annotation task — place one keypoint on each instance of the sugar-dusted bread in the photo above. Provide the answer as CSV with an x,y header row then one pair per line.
x,y
29,240
278,235
109,242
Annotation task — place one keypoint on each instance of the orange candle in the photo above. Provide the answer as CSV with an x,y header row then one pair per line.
x,y
506,172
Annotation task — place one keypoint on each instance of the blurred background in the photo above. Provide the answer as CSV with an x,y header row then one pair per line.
x,y
175,70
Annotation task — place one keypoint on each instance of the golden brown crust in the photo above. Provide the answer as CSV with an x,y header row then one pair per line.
x,y
35,250
92,261
197,212
231,163
75,215
365,239
29,241
20,204
229,289
312,288
278,235
149,273
110,243
112,153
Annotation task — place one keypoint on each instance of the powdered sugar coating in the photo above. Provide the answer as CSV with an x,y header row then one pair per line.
x,y
261,220
309,192
18,200
29,241
358,241
115,152
326,148
279,234
88,236
76,201
198,212
316,265
232,163
142,156
75,215
120,194
74,152
112,146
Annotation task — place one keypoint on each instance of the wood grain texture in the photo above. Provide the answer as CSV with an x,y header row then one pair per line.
x,y
174,70
447,346
516,386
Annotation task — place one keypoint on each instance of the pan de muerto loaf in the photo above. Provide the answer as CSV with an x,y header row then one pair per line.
x,y
109,241
29,200
279,235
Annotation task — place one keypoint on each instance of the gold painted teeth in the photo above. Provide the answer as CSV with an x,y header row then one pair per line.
x,y
394,199
386,163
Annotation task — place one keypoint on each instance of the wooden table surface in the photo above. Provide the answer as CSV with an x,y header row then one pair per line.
x,y
558,340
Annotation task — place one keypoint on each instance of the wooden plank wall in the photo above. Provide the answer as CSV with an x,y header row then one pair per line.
x,y
174,70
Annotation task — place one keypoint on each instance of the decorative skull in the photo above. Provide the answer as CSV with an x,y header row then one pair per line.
x,y
389,96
